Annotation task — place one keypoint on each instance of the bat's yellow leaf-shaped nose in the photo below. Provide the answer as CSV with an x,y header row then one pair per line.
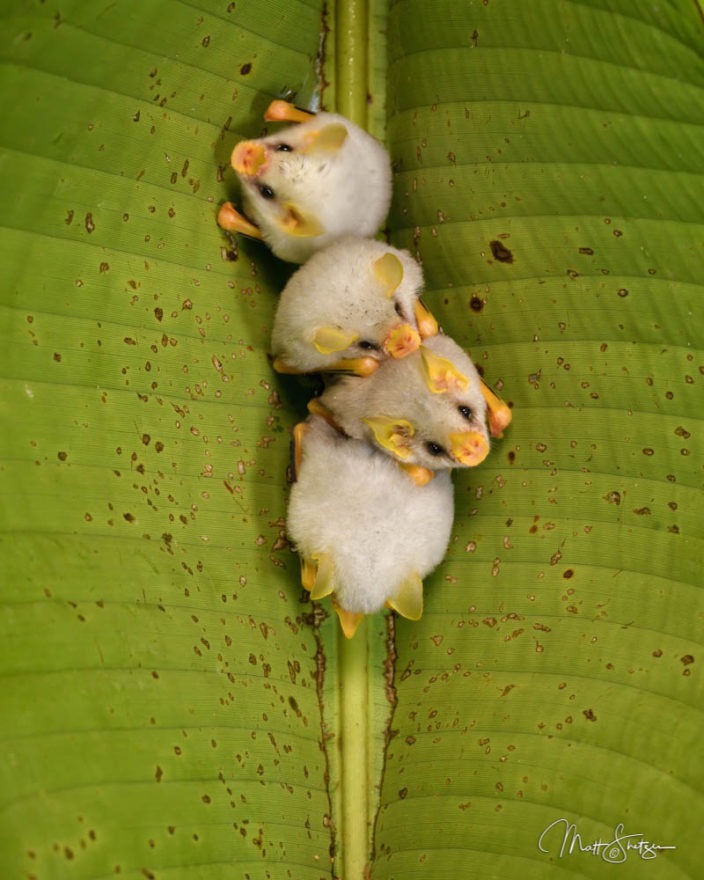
x,y
401,340
248,158
470,448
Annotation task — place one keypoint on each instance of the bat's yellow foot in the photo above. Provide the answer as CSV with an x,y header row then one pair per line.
x,y
427,325
316,408
499,412
362,366
230,219
282,111
299,432
281,365
421,476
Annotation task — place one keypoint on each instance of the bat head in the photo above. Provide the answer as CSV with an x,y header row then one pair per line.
x,y
313,182
426,410
350,307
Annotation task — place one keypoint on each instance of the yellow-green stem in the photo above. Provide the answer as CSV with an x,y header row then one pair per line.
x,y
354,747
351,51
351,48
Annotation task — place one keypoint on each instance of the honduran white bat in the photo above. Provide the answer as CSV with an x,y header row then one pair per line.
x,y
309,183
366,534
350,306
427,410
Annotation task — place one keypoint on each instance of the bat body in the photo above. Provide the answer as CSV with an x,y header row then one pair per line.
x,y
366,533
427,410
309,183
350,306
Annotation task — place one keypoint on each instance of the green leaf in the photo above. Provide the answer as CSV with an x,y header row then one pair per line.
x,y
172,705
162,677
550,177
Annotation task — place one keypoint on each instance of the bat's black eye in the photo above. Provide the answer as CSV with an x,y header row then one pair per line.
x,y
284,148
398,309
368,346
434,449
465,411
266,192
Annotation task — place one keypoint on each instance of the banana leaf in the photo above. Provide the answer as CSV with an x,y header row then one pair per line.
x,y
172,704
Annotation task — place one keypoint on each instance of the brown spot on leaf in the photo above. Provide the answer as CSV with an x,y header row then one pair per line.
x,y
500,252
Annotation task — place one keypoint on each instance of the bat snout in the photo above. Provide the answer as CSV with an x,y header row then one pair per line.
x,y
401,340
470,448
249,158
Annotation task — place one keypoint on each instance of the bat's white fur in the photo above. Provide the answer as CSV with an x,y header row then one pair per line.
x,y
337,288
347,191
358,507
399,390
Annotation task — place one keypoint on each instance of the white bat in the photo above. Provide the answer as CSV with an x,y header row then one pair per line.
x,y
427,410
310,183
350,306
366,534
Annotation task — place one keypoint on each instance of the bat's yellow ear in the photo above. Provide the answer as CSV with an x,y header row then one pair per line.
x,y
409,599
299,223
441,375
327,139
392,434
388,271
331,339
